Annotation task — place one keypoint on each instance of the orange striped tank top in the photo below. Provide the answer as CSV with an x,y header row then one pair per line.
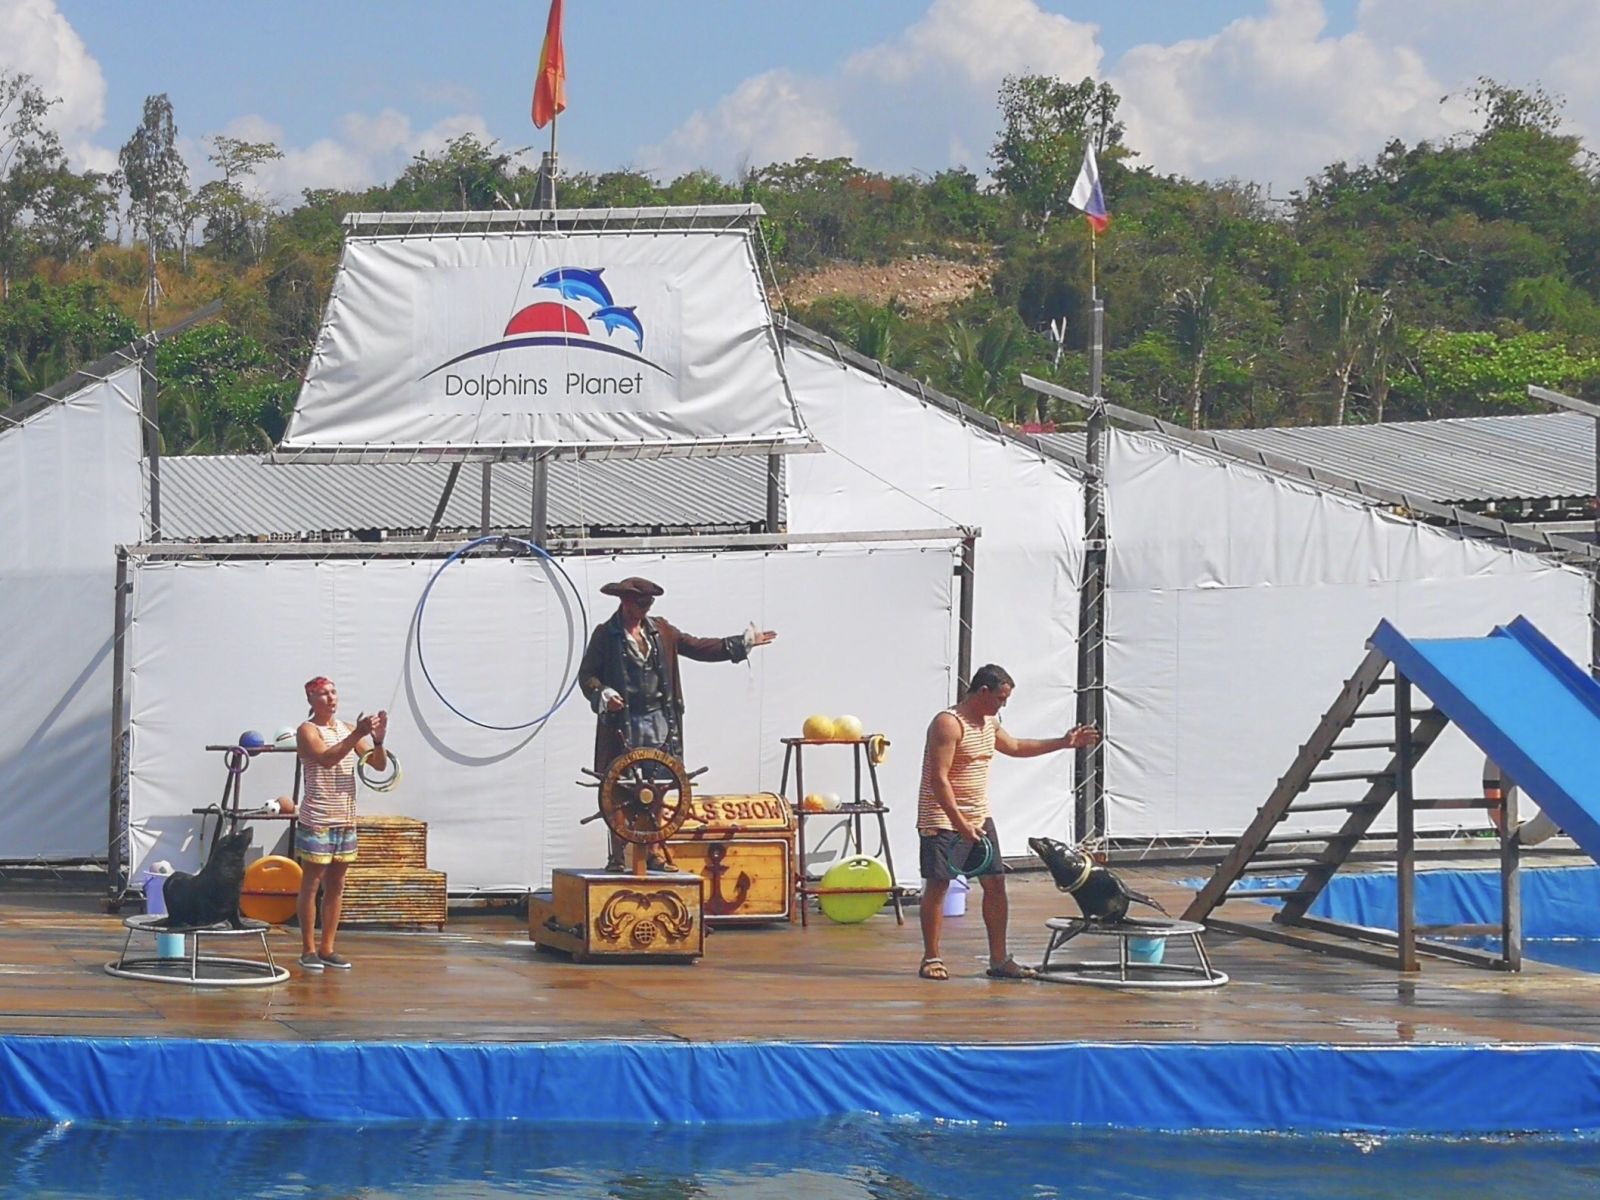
x,y
330,792
969,777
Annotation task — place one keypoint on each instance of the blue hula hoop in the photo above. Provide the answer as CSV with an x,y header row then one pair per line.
x,y
583,626
965,868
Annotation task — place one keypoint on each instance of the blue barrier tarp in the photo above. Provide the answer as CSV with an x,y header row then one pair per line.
x,y
1311,1088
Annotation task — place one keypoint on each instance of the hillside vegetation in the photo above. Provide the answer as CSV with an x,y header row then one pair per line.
x,y
1438,279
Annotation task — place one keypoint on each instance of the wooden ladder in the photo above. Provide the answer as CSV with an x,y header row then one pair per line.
x,y
1412,731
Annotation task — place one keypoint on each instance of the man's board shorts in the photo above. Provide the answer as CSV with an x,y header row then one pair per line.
x,y
943,845
336,843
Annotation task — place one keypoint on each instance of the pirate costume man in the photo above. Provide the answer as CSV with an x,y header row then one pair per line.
x,y
630,677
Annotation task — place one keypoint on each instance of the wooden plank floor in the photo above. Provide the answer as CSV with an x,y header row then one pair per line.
x,y
482,980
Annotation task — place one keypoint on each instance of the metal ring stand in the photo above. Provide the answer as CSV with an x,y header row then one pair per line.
x,y
1125,972
194,968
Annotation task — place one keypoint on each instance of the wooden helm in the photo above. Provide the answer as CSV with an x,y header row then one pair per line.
x,y
645,795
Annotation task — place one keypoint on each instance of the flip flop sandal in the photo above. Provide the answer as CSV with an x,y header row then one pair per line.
x,y
1011,969
933,968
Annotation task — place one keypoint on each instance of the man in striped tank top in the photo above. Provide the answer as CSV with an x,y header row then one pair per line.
x,y
953,812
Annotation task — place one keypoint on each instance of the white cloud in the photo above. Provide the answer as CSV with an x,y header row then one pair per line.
x,y
39,42
370,148
771,117
924,100
1553,43
1274,99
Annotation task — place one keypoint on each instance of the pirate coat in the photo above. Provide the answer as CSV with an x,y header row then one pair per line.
x,y
604,667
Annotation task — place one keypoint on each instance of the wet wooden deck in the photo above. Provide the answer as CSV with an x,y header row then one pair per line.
x,y
482,980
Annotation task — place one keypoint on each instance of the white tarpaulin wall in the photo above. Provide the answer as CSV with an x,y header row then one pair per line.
x,y
893,460
69,493
222,646
1239,604
544,339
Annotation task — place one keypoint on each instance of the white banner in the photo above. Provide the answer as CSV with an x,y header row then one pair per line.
x,y
487,343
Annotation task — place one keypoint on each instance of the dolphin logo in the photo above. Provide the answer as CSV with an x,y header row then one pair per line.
x,y
577,283
614,318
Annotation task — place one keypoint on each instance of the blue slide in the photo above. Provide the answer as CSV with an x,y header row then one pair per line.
x,y
1527,706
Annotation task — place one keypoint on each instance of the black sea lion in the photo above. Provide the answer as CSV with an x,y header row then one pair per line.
x,y
212,896
1099,893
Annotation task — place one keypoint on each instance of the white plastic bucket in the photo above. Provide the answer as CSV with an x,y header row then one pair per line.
x,y
955,900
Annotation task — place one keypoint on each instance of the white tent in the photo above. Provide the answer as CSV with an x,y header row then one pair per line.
x,y
69,494
1239,601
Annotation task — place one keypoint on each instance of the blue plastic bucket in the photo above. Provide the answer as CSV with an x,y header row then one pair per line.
x,y
168,945
1146,950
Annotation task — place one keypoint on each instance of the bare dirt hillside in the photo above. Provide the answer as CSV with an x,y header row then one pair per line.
x,y
918,283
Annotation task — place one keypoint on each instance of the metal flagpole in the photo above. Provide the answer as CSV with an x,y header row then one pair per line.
x,y
1089,763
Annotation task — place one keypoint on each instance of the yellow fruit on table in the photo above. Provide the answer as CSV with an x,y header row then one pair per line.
x,y
847,729
818,728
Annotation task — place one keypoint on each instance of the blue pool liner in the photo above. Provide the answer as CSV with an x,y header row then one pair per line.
x,y
1557,902
1428,1089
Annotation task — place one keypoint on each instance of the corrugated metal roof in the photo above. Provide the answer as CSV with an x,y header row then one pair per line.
x,y
1462,460
1470,461
220,497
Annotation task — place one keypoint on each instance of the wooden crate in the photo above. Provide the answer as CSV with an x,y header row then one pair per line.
x,y
389,883
602,915
391,842
742,847
407,896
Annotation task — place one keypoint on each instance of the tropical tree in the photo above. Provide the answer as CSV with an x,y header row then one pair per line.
x,y
235,215
1196,326
157,180
30,153
1040,147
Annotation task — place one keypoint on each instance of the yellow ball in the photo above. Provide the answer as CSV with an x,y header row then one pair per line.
x,y
814,802
847,729
818,728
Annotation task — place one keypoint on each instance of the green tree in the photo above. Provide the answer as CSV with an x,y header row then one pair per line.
x,y
1040,148
235,215
157,180
30,154
48,331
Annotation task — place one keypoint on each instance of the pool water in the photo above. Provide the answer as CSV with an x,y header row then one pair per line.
x,y
845,1159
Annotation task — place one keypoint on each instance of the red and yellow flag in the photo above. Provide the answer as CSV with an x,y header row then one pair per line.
x,y
550,85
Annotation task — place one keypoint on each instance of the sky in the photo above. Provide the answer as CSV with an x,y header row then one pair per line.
x,y
1268,91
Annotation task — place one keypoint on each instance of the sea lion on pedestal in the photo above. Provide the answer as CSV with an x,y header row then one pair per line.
x,y
1102,896
212,896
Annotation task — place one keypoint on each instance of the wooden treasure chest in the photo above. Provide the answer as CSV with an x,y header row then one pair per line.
x,y
597,916
742,847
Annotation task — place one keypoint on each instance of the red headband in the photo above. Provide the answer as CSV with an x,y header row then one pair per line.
x,y
317,684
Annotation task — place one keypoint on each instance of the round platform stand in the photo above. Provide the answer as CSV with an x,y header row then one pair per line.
x,y
1112,974
196,969
1128,972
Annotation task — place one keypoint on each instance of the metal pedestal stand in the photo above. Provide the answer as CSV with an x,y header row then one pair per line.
x,y
1125,972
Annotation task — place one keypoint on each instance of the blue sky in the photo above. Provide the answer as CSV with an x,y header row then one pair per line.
x,y
1268,90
